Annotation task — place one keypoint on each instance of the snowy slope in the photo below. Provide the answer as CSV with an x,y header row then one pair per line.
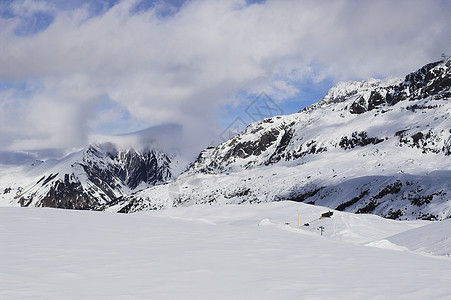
x,y
212,252
377,146
432,239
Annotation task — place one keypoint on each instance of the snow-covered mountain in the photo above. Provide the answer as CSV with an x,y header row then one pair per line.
x,y
377,146
87,179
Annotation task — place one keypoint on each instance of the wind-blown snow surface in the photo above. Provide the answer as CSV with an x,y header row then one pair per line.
x,y
215,252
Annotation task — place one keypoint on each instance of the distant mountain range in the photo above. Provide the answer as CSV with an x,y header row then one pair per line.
x,y
376,146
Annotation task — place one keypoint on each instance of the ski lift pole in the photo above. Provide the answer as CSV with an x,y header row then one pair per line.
x,y
299,220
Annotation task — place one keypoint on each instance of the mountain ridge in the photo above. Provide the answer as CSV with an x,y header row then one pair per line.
x,y
383,148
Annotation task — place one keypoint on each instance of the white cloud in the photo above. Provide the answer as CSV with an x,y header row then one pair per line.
x,y
182,67
29,7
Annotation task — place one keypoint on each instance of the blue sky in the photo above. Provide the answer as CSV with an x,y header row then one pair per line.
x,y
73,70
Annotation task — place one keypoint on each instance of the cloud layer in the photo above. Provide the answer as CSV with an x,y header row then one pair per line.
x,y
73,73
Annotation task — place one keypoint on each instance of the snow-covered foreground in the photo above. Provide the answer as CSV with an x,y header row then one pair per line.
x,y
220,252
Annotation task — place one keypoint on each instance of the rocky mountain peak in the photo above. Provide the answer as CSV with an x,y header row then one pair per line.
x,y
431,79
132,167
90,178
345,90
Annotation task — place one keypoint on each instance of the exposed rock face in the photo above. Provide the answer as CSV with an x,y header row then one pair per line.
x,y
68,194
358,139
130,167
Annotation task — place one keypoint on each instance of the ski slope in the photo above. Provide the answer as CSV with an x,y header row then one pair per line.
x,y
219,252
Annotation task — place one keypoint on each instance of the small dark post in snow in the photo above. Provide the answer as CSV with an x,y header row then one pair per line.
x,y
321,228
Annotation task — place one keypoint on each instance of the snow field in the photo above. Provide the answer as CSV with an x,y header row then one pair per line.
x,y
216,252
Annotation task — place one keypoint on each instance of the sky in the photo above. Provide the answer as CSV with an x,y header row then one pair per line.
x,y
74,70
